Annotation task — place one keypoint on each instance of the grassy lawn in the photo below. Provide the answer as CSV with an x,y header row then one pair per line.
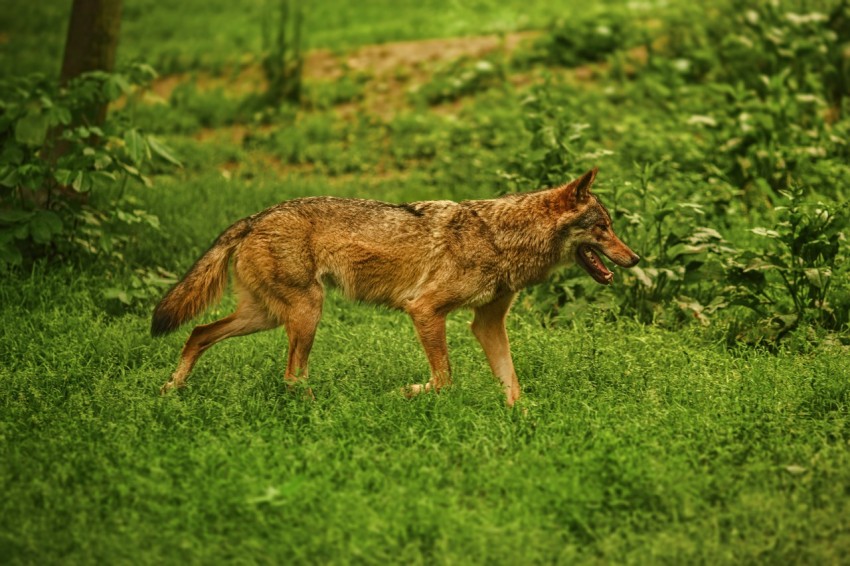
x,y
632,444
686,414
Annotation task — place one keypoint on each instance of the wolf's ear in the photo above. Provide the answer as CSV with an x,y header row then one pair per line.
x,y
577,192
582,185
569,196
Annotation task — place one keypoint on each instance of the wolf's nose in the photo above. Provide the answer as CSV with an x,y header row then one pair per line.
x,y
635,260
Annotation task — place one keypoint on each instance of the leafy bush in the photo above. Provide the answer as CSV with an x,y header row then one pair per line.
x,y
560,145
782,69
707,180
51,163
787,277
585,37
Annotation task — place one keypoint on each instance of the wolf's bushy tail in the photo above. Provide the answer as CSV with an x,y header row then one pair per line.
x,y
202,285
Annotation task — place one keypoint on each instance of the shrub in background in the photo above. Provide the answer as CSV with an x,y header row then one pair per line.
x,y
50,200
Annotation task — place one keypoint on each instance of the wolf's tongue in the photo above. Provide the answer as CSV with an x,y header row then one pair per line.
x,y
596,268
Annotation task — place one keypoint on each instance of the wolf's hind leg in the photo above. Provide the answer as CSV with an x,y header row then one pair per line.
x,y
489,328
301,319
431,329
250,316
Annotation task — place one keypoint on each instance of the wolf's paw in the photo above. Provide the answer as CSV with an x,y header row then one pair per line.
x,y
299,387
169,386
414,389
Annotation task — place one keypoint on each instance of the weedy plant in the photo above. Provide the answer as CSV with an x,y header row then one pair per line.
x,y
75,200
282,58
787,278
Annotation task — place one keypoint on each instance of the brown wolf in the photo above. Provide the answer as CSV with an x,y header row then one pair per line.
x,y
425,258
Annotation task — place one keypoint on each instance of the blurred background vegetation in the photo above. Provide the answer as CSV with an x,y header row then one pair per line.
x,y
696,411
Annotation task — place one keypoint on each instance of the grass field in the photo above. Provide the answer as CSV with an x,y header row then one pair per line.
x,y
632,444
662,419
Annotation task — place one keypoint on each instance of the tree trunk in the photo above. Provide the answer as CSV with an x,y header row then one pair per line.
x,y
91,45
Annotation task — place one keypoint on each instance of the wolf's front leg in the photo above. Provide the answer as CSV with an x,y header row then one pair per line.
x,y
431,329
489,328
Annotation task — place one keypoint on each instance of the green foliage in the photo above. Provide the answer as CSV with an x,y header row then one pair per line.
x,y
787,278
715,146
51,163
782,71
145,285
560,146
460,78
587,36
325,94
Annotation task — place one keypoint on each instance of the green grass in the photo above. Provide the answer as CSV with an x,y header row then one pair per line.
x,y
632,444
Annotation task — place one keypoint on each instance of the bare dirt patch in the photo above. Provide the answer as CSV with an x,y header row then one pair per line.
x,y
388,57
390,66
388,72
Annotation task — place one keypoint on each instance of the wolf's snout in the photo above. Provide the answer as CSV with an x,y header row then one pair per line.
x,y
624,257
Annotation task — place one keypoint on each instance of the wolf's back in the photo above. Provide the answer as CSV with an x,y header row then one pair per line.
x,y
202,285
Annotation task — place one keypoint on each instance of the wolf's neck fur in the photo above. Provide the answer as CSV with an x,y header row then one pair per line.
x,y
525,231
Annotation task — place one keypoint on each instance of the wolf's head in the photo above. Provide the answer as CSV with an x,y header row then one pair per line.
x,y
586,228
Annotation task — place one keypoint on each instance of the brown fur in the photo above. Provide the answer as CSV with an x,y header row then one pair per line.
x,y
425,258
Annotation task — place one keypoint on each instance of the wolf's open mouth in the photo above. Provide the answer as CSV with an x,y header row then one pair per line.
x,y
592,263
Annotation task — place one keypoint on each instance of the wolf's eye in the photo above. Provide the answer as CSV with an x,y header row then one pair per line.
x,y
602,227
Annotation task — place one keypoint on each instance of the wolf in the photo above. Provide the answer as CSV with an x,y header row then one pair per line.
x,y
425,258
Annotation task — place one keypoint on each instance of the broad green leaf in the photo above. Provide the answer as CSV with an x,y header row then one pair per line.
x,y
12,216
82,182
58,115
136,145
44,226
102,178
818,277
163,151
31,130
64,176
102,160
21,231
10,254
8,176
